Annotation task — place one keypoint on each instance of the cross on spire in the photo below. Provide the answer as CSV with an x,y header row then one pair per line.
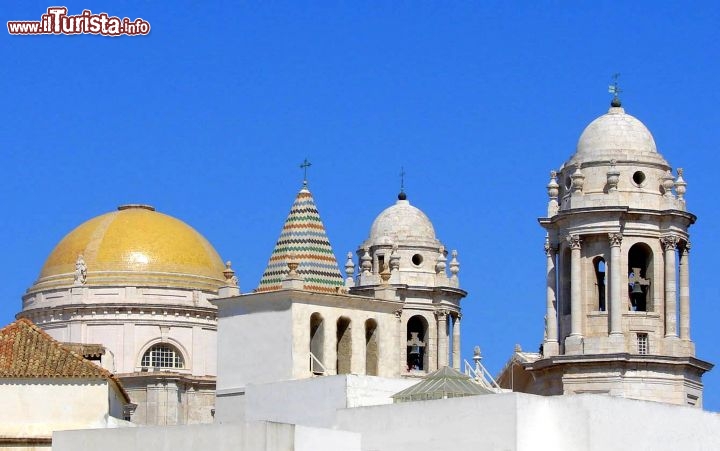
x,y
402,195
615,90
304,166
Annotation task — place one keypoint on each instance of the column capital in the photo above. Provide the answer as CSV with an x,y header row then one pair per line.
x,y
615,239
574,241
669,242
548,247
442,314
686,246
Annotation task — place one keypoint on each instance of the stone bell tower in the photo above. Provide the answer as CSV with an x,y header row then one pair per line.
x,y
404,261
618,272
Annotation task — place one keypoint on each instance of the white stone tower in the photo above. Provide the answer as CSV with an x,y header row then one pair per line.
x,y
618,274
403,255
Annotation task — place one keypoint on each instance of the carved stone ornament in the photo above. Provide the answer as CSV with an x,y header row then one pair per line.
x,y
442,314
398,314
574,241
553,189
230,279
669,242
80,271
615,239
548,247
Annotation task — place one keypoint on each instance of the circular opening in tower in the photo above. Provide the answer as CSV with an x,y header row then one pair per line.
x,y
639,177
417,259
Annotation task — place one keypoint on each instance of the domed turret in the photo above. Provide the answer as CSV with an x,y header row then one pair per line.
x,y
133,246
616,162
402,223
402,242
616,135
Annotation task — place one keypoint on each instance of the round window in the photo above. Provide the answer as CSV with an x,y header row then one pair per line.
x,y
639,177
417,259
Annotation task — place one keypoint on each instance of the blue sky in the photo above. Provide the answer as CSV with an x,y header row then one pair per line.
x,y
209,116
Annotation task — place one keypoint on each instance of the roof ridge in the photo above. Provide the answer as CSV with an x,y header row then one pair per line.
x,y
303,237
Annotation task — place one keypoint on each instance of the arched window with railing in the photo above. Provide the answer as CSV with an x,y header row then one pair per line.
x,y
162,355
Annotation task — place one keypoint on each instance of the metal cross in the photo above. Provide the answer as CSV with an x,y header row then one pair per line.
x,y
614,89
402,179
304,166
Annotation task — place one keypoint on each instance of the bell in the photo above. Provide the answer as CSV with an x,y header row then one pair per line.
x,y
415,350
636,290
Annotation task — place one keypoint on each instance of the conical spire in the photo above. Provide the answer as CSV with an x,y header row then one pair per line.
x,y
304,240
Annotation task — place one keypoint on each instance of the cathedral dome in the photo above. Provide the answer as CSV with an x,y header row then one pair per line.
x,y
134,246
401,224
618,136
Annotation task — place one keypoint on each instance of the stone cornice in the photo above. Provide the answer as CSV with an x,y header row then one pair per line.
x,y
618,361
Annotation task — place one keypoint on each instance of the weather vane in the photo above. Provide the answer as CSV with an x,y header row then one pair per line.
x,y
304,166
615,90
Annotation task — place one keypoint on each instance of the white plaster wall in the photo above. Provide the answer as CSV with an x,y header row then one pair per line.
x,y
35,408
314,402
517,421
251,436
254,348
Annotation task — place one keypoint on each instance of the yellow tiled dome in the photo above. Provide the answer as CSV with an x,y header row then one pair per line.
x,y
134,246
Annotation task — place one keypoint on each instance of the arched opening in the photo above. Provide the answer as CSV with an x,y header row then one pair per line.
x,y
599,265
162,355
317,340
371,348
639,277
344,346
416,343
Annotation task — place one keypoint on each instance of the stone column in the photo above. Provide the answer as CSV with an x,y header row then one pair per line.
x,y
550,347
442,359
575,286
669,243
456,342
685,291
616,285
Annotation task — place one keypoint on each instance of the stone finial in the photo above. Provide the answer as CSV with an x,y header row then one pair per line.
x,y
668,181
366,262
518,348
80,271
680,185
230,279
553,190
349,271
454,265
440,265
349,266
578,180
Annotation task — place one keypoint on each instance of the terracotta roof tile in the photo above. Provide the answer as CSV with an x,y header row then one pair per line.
x,y
26,351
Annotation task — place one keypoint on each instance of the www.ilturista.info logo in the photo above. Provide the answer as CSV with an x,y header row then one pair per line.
x,y
56,21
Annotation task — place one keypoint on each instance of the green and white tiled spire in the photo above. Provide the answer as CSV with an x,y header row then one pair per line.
x,y
304,240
